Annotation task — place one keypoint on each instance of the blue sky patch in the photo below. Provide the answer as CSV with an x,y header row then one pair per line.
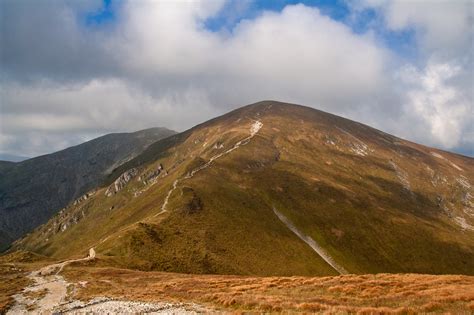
x,y
235,11
105,15
402,42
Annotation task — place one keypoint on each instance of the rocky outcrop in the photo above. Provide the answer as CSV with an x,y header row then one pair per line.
x,y
218,145
83,198
151,177
121,181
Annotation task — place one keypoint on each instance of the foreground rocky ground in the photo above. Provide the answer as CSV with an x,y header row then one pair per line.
x,y
79,286
45,291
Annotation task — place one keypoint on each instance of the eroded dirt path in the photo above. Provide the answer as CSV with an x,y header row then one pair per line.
x,y
311,242
48,291
49,295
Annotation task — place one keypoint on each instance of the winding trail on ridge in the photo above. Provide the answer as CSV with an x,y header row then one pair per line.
x,y
311,242
254,129
48,280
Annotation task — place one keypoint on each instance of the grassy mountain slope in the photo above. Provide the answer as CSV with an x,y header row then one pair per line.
x,y
371,201
33,190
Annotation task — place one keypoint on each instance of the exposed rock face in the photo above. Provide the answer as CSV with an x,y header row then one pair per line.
x,y
120,182
150,178
83,198
218,145
34,190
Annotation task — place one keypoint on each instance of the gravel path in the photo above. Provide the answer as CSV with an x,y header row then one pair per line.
x,y
108,306
51,298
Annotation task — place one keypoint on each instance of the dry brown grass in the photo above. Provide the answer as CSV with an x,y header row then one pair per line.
x,y
361,294
14,269
12,281
36,295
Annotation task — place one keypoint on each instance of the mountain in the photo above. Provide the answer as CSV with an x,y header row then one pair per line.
x,y
276,189
5,157
6,165
33,190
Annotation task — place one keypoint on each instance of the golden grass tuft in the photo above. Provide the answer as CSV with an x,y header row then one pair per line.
x,y
360,294
12,280
471,306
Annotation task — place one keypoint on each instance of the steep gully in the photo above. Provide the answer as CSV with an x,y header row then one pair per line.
x,y
311,242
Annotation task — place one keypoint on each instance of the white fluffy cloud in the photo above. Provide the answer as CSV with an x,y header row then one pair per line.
x,y
441,108
158,65
438,90
297,54
443,27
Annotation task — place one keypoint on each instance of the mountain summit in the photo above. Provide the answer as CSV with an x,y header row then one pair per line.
x,y
276,189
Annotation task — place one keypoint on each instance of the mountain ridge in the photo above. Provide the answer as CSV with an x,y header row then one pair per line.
x,y
357,192
33,190
162,145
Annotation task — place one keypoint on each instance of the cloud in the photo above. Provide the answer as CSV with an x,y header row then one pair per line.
x,y
46,39
437,88
66,115
444,27
158,65
440,107
297,55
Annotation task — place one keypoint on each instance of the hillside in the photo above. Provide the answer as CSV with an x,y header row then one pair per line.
x,y
33,190
276,189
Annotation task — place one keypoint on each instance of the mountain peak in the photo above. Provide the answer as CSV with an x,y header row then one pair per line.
x,y
310,192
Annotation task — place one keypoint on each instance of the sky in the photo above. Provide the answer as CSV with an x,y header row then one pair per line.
x,y
74,70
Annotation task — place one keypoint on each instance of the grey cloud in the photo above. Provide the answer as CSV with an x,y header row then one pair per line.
x,y
158,66
47,39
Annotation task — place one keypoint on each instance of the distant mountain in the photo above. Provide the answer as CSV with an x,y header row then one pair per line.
x,y
276,189
33,190
5,157
6,165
